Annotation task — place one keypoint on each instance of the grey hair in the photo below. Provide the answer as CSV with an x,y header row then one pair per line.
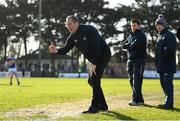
x,y
74,18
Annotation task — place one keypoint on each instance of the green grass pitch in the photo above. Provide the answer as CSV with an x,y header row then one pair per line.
x,y
74,93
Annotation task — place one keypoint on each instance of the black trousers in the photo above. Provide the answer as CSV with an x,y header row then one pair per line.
x,y
135,72
166,80
98,99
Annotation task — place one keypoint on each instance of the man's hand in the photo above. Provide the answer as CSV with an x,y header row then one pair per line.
x,y
52,48
92,69
6,64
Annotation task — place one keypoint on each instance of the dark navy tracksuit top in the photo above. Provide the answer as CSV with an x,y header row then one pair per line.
x,y
87,40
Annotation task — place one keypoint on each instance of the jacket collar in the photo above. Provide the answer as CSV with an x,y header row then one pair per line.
x,y
163,31
78,29
137,31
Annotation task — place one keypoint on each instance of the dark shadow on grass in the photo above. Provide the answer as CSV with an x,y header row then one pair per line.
x,y
150,106
176,109
117,115
156,107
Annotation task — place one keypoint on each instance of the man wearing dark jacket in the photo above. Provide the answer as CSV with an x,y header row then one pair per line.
x,y
135,44
87,39
165,60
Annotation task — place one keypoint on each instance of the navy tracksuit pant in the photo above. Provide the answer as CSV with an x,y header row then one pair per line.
x,y
135,72
98,99
166,80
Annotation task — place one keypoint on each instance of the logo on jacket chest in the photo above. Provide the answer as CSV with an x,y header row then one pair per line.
x,y
84,38
80,39
75,40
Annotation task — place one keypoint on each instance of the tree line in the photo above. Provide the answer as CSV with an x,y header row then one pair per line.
x,y
19,20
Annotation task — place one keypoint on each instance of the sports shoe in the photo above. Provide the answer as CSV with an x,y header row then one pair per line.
x,y
104,109
164,106
133,103
91,110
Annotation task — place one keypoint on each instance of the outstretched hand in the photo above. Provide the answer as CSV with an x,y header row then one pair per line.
x,y
52,48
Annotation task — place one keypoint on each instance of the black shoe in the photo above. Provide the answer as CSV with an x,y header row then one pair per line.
x,y
10,84
104,109
91,110
164,106
18,83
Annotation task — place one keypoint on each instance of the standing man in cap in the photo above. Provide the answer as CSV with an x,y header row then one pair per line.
x,y
135,44
165,60
87,39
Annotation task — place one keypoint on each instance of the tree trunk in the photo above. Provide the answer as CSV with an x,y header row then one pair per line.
x,y
19,51
25,48
5,50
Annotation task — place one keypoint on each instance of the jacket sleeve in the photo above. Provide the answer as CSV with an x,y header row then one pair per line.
x,y
169,46
67,47
95,45
139,42
126,44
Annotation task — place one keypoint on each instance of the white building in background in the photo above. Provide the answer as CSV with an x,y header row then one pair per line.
x,y
61,63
